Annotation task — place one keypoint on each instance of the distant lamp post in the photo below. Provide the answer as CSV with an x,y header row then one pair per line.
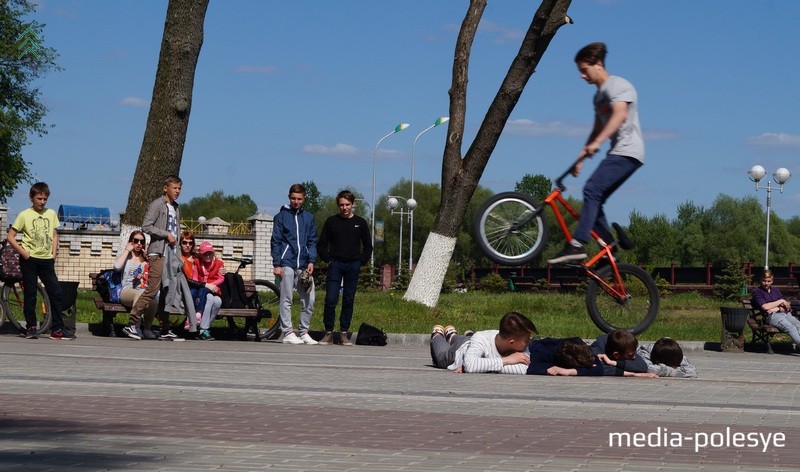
x,y
397,129
439,121
202,221
393,203
781,176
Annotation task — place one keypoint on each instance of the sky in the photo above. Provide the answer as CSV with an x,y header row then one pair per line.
x,y
303,90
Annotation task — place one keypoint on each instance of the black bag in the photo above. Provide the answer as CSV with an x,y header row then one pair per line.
x,y
369,335
10,271
233,293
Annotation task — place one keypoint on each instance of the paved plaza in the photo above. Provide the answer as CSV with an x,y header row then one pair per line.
x,y
116,404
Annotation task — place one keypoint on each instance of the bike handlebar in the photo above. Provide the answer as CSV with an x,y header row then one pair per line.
x,y
559,180
243,261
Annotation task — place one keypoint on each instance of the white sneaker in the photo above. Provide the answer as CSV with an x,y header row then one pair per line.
x,y
292,338
307,339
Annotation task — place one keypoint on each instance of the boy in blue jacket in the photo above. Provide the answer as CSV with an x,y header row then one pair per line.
x,y
294,253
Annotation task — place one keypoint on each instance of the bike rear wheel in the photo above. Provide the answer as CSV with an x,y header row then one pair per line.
x,y
267,300
268,322
12,299
510,229
634,313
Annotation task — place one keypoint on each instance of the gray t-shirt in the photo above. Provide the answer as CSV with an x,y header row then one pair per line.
x,y
627,141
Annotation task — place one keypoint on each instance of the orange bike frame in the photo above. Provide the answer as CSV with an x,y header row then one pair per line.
x,y
618,289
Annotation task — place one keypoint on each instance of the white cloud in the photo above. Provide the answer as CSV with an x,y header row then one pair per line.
x,y
263,70
775,141
134,102
338,149
531,128
504,34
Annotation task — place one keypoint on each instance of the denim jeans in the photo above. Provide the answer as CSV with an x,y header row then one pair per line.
x,y
44,270
612,172
788,324
338,271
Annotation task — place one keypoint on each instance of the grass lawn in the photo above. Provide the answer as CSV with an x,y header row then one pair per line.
x,y
689,317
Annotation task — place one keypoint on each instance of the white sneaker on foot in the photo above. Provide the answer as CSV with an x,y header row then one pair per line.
x,y
307,339
292,338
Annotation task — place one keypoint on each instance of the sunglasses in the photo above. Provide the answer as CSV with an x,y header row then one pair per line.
x,y
187,243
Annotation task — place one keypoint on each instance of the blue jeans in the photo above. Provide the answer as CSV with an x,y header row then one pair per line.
x,y
44,270
788,324
612,172
338,271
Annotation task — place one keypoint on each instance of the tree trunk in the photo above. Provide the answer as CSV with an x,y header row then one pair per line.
x,y
168,121
460,176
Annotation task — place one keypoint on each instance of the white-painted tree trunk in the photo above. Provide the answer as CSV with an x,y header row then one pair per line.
x,y
125,231
426,283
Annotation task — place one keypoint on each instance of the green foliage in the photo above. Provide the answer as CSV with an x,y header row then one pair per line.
x,y
731,229
450,282
402,279
313,202
663,286
537,186
493,283
731,282
368,279
21,107
231,208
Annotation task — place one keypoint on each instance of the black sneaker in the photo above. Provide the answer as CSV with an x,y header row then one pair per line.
x,y
168,335
31,333
570,253
133,332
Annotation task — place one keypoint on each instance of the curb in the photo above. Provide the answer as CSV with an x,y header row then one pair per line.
x,y
423,340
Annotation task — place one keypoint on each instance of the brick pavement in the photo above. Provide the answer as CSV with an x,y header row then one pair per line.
x,y
115,404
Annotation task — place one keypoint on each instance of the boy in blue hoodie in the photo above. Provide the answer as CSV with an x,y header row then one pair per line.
x,y
294,253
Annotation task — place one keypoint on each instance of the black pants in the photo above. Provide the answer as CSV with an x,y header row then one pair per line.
x,y
44,270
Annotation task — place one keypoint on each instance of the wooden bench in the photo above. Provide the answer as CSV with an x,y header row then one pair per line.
x,y
762,331
252,315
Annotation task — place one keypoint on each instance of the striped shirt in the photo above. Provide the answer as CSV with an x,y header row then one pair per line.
x,y
480,354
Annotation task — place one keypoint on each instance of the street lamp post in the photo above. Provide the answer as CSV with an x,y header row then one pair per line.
x,y
781,176
393,204
397,129
436,123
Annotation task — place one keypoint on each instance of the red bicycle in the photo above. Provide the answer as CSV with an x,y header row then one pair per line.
x,y
512,231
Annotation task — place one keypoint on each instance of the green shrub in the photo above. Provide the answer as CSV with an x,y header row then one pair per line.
x,y
493,283
732,282
367,279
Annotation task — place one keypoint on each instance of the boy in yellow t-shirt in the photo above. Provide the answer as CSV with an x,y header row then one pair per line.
x,y
37,259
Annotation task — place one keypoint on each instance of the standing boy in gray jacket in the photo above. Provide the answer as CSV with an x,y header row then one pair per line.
x,y
161,223
294,253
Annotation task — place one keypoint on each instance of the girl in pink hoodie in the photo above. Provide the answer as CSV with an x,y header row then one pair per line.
x,y
211,271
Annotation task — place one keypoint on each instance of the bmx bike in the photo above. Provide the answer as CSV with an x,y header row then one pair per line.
x,y
511,230
11,307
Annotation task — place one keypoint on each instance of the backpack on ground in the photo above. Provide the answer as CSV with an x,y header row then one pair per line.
x,y
233,293
369,335
10,271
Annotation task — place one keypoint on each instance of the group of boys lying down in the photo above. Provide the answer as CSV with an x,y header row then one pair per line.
x,y
510,350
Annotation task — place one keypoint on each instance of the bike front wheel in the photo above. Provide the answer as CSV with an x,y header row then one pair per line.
x,y
12,299
510,229
630,303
